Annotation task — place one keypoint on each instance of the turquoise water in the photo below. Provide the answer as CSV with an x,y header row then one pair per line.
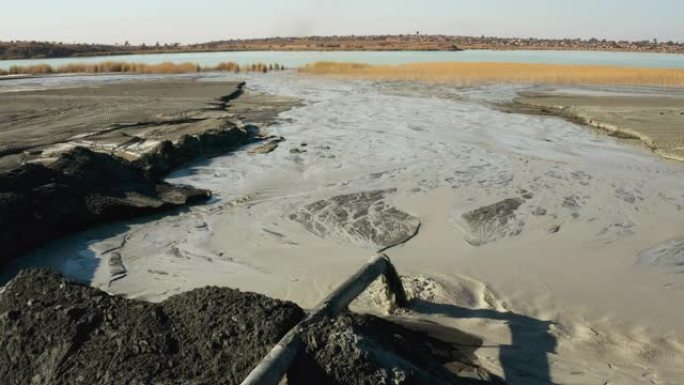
x,y
299,58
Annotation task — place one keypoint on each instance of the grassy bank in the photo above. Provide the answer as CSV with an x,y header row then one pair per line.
x,y
473,73
138,68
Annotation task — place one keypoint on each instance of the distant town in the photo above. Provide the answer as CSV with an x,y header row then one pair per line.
x,y
37,49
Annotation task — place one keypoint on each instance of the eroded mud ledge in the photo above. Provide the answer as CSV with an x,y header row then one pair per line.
x,y
99,154
655,120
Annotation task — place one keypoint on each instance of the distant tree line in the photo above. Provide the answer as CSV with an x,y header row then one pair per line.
x,y
44,49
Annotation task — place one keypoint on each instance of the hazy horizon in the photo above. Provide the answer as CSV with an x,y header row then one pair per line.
x,y
208,20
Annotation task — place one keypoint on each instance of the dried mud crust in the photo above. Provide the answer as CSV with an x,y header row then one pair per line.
x,y
61,115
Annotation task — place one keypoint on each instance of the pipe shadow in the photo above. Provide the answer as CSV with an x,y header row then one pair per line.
x,y
425,351
525,360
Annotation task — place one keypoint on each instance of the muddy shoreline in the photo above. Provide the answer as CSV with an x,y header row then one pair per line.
x,y
655,121
98,154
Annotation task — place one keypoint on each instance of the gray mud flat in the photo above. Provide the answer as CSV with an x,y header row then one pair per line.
x,y
360,218
59,332
63,115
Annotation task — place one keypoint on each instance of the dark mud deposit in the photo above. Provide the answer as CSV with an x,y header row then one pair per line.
x,y
40,203
363,349
58,332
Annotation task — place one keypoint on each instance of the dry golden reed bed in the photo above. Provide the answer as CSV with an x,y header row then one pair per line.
x,y
473,73
138,68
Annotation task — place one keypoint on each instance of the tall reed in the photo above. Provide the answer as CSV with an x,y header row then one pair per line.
x,y
477,73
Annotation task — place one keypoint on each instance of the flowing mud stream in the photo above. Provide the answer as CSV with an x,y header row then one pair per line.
x,y
561,248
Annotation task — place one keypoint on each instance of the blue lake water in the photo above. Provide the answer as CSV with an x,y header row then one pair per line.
x,y
299,58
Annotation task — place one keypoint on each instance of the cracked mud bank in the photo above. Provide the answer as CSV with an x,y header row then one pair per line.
x,y
77,156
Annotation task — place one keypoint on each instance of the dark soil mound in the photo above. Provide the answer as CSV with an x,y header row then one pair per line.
x,y
58,332
53,331
40,203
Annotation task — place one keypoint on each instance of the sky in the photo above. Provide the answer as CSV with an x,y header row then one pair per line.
x,y
193,21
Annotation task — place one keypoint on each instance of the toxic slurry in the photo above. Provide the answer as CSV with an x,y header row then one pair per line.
x,y
532,228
